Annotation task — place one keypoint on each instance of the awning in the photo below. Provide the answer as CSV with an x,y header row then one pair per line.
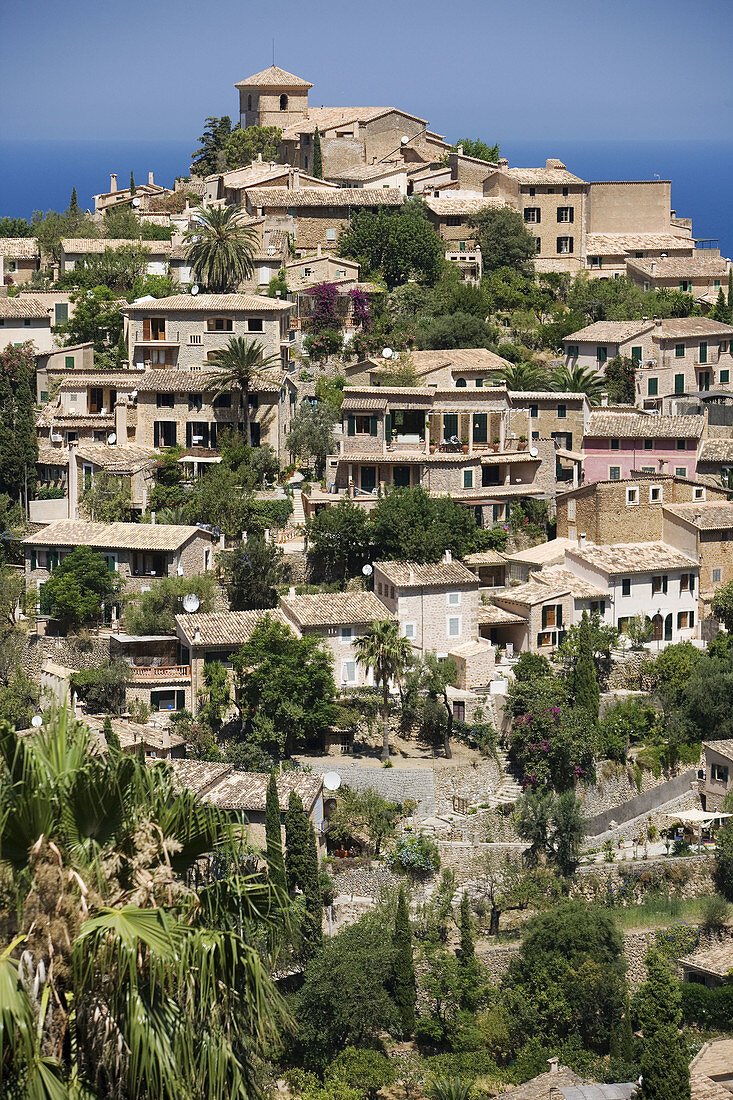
x,y
697,817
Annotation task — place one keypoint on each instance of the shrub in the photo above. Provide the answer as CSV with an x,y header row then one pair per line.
x,y
677,940
416,855
715,913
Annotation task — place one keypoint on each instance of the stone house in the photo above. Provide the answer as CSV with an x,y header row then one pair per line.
x,y
718,780
388,173
244,794
53,366
715,460
650,579
450,214
559,416
185,329
704,531
699,275
541,614
337,618
123,196
75,251
137,551
20,257
523,563
231,187
609,255
617,444
320,267
628,510
25,320
711,966
436,604
458,368
489,566
157,744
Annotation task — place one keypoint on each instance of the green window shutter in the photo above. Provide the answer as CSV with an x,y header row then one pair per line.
x,y
68,362
480,428
692,619
468,479
450,425
703,352
34,559
725,376
544,617
652,387
636,354
539,639
155,700
388,427
352,425
679,383
180,699
558,615
44,395
373,425
679,351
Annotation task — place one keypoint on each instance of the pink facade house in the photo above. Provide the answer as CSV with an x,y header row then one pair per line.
x,y
618,444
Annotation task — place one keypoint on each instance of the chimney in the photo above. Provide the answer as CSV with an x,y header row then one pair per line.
x,y
459,150
296,179
448,557
197,638
152,517
503,162
259,158
553,1063
72,483
604,398
151,179
581,541
291,590
222,541
113,183
318,249
121,421
658,322
653,266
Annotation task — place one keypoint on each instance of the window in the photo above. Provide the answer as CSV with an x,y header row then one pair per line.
x,y
44,396
614,473
615,444
632,495
598,607
551,615
685,286
698,493
716,284
27,323
687,582
363,425
453,626
601,354
478,382
197,434
532,191
249,102
719,773
61,313
565,191
532,214
652,387
255,324
595,261
480,430
195,339
679,351
626,586
636,354
468,479
348,672
545,638
533,412
454,599
346,633
679,383
566,213
562,412
571,509
283,102
716,576
164,433
223,401
331,233
165,400
410,631
681,444
703,352
655,494
453,219
680,471
219,324
538,245
564,245
660,584
725,376
572,351
195,401
648,444
623,624
685,620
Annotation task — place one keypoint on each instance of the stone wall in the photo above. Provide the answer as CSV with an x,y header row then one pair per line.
x,y
79,652
468,860
474,783
684,877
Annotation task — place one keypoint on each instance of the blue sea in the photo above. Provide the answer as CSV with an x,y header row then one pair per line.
x,y
40,175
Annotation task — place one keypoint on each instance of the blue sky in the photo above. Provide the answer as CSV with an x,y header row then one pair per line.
x,y
148,70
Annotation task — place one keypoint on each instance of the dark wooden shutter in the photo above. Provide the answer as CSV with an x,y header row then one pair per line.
x,y
558,615
189,433
180,699
156,433
373,425
352,425
388,427
544,617
146,328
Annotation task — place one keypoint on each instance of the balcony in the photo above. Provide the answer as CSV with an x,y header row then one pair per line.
x,y
158,674
171,340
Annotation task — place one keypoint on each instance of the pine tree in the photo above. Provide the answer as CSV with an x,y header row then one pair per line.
x,y
664,1068
312,930
133,188
273,836
721,309
403,967
73,202
317,155
621,1045
585,681
296,843
468,950
122,356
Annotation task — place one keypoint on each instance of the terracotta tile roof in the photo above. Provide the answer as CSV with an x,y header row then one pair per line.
x,y
82,245
672,328
410,574
681,267
703,514
717,960
485,557
363,404
616,244
716,450
555,576
539,1087
133,734
225,628
524,397
113,536
704,1088
460,359
632,557
19,248
541,175
612,332
223,786
273,77
334,609
251,174
122,458
637,425
26,308
207,303
328,118
51,416
460,204
369,171
309,196
532,592
724,747
544,553
491,615
715,1057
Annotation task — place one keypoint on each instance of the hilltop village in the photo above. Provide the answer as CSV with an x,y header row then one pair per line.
x,y
366,584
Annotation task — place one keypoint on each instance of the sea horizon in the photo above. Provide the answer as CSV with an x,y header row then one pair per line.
x,y
698,171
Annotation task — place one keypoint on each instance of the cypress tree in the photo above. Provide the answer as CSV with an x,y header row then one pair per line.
x,y
18,441
664,1068
403,967
273,836
296,844
133,188
621,1045
73,202
720,311
313,919
730,294
468,949
113,741
122,358
317,155
585,681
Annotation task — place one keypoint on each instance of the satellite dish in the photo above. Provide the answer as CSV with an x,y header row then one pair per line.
x,y
534,452
37,721
56,437
136,202
332,781
191,602
194,289
404,139
367,570
387,353
111,438
133,395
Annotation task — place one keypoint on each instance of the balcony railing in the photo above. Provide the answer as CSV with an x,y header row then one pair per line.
x,y
159,673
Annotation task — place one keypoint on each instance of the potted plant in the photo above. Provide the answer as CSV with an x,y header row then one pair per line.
x,y
464,446
522,443
497,441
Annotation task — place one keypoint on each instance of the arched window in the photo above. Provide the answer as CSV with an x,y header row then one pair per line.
x,y
249,102
460,383
283,102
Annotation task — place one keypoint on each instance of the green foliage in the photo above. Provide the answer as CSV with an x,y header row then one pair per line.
x,y
553,826
624,722
102,689
664,1064
398,243
18,442
677,940
122,223
107,498
252,573
504,240
707,1008
620,377
458,330
363,814
311,929
671,672
15,227
19,697
414,854
215,696
296,844
584,683
410,525
96,318
211,156
273,835
243,146
721,605
387,654
723,867
311,434
723,309
50,227
119,269
715,913
317,155
220,248
452,990
450,1088
154,611
337,542
480,150
324,344
468,948
285,689
81,589
551,741
277,283
403,967
622,300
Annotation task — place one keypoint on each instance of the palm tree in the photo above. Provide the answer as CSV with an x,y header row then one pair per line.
x,y
525,376
382,649
240,363
122,978
221,247
577,379
449,1088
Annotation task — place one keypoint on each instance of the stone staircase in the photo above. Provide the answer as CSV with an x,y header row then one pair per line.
x,y
297,519
508,790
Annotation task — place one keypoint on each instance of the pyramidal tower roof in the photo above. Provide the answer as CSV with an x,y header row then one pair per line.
x,y
273,77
